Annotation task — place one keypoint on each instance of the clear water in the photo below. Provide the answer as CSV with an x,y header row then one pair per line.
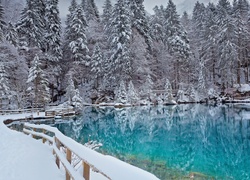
x,y
172,142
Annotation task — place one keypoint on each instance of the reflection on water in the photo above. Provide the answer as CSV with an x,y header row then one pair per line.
x,y
172,142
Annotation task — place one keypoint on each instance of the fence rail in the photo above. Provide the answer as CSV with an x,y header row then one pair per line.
x,y
17,111
57,140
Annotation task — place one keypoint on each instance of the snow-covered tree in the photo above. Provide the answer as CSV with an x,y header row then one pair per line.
x,y
168,96
2,23
4,82
132,95
139,20
90,10
96,64
32,23
11,34
121,93
73,94
38,83
120,34
77,37
70,89
147,88
107,12
156,23
53,31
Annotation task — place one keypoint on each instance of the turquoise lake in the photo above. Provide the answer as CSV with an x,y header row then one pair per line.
x,y
172,142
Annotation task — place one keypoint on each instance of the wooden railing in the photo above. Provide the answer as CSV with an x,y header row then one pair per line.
x,y
57,140
18,111
60,112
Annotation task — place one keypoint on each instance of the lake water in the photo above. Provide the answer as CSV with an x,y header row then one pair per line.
x,y
172,142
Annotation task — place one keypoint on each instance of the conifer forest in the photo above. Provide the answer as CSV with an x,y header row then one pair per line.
x,y
122,53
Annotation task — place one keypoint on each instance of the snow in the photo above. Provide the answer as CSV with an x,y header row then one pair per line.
x,y
242,87
23,157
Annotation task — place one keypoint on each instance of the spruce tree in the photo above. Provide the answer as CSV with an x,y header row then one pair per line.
x,y
2,23
4,83
107,12
77,37
132,96
139,20
97,63
176,40
31,25
11,34
38,83
91,10
226,40
53,35
120,34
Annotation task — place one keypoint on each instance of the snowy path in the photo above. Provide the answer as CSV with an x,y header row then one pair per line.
x,y
23,158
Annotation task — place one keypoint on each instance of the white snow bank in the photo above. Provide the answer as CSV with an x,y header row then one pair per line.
x,y
23,158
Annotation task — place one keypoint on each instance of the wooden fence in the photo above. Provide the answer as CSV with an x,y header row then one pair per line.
x,y
57,140
64,148
18,111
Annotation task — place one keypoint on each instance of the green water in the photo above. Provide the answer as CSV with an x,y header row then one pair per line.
x,y
172,142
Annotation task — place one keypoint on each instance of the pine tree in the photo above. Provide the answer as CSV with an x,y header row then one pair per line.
x,y
73,94
53,35
208,49
168,92
226,40
239,15
139,20
147,88
2,23
97,69
38,89
68,35
132,95
120,34
121,93
4,84
176,40
31,25
156,23
77,37
107,12
11,34
70,89
91,10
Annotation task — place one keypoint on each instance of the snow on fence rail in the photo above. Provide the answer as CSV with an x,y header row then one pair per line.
x,y
108,166
18,111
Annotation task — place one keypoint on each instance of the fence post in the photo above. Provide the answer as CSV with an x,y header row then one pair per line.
x,y
44,132
34,129
86,170
68,156
58,146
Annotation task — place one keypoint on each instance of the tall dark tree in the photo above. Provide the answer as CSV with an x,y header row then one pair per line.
x,y
107,12
2,23
139,20
11,34
120,35
176,40
53,34
31,25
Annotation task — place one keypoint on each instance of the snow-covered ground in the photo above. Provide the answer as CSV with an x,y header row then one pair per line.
x,y
23,158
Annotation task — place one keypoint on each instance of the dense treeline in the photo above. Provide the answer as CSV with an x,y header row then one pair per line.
x,y
123,54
